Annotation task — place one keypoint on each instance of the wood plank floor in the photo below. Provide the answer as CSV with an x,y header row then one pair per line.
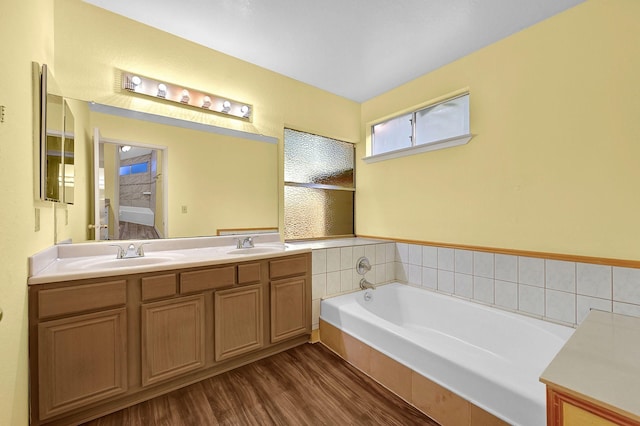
x,y
306,385
134,231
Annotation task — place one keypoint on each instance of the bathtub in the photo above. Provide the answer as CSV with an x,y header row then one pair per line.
x,y
139,215
491,358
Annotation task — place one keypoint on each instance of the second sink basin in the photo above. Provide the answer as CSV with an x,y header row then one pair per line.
x,y
262,249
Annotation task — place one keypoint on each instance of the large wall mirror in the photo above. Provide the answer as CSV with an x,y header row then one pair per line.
x,y
162,177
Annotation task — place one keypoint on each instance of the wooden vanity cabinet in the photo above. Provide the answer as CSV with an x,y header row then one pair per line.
x,y
564,409
99,345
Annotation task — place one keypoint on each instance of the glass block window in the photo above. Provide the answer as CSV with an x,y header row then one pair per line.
x,y
431,125
319,186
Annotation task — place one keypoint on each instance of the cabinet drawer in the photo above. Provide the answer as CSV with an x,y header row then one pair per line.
x,y
248,273
158,287
207,279
82,298
288,267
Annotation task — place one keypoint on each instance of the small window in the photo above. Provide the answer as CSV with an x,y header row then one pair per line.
x,y
393,134
133,169
437,126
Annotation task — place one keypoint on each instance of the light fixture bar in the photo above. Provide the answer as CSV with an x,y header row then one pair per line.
x,y
181,95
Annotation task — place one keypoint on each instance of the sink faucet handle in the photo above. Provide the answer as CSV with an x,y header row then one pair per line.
x,y
140,251
248,242
120,253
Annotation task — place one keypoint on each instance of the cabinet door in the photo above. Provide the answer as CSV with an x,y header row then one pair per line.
x,y
172,338
82,359
568,410
238,321
289,310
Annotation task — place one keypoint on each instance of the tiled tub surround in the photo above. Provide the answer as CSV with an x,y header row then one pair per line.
x,y
558,291
334,267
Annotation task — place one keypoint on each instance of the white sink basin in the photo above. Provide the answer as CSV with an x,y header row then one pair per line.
x,y
112,263
134,261
262,249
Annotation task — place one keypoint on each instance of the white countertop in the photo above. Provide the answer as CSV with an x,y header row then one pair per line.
x,y
98,259
601,363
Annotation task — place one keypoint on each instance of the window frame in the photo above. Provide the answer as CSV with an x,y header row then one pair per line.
x,y
416,148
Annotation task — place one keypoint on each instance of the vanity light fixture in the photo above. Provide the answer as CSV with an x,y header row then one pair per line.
x,y
185,96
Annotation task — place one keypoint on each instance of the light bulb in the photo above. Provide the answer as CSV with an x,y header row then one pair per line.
x,y
226,106
162,90
136,80
206,102
185,96
245,111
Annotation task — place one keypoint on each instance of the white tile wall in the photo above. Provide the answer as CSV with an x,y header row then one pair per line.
x,y
558,291
334,270
594,280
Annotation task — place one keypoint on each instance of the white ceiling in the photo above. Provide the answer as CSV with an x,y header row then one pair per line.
x,y
354,48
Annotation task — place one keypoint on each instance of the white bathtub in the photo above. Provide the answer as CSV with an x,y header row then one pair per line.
x,y
490,357
139,215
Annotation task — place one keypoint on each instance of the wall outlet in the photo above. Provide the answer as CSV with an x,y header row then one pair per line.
x,y
37,217
184,209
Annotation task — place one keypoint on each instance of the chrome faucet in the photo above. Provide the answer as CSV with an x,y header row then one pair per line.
x,y
130,252
245,243
364,284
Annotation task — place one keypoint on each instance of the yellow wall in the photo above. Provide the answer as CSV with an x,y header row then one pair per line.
x,y
26,29
554,164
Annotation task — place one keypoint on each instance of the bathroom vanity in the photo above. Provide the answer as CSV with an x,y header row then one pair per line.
x,y
105,337
595,378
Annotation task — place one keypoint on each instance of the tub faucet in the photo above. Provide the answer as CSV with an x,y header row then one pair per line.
x,y
245,243
364,284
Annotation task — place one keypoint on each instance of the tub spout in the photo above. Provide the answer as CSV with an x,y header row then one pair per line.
x,y
364,284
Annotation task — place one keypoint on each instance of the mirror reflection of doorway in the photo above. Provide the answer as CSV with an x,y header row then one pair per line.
x,y
129,190
137,192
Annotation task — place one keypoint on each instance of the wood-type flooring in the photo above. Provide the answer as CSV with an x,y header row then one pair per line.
x,y
306,385
134,231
